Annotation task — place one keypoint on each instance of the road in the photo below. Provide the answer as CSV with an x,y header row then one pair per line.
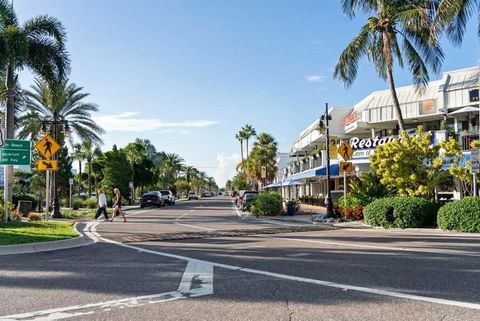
x,y
203,260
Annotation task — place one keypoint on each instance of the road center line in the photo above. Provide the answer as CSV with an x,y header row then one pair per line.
x,y
343,287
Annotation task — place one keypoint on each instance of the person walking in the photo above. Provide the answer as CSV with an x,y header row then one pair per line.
x,y
117,206
102,205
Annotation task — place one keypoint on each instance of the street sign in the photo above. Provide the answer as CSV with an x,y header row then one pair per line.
x,y
70,181
47,165
345,150
332,147
475,160
264,171
346,167
130,185
47,146
15,152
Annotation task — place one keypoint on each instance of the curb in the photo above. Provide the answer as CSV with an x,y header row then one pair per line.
x,y
81,240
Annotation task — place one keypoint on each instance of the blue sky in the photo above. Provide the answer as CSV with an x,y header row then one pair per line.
x,y
187,74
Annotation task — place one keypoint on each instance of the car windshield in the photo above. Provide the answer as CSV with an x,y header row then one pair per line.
x,y
150,194
165,192
250,196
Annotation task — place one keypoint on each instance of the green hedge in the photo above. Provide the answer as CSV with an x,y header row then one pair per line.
x,y
78,203
267,204
91,202
402,212
462,215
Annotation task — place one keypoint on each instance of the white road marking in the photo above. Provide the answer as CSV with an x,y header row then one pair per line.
x,y
197,227
388,248
197,280
298,254
343,287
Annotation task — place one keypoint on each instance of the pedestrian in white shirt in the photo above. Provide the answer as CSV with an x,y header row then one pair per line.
x,y
102,205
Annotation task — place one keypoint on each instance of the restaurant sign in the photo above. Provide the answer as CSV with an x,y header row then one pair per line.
x,y
350,118
364,147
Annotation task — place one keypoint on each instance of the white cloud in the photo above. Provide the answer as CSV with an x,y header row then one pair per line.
x,y
127,122
226,167
317,78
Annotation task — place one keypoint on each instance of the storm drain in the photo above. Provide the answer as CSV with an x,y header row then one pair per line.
x,y
222,233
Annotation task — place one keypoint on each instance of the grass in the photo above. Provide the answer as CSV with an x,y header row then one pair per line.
x,y
29,232
81,213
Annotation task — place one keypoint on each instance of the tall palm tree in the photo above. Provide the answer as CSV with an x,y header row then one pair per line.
x,y
248,132
38,45
87,150
240,136
134,153
170,168
65,100
190,173
379,39
452,16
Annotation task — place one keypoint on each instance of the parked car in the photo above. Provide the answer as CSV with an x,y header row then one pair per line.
x,y
168,196
192,196
152,199
241,195
247,201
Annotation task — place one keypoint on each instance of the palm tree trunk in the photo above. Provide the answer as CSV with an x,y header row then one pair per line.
x,y
247,148
89,177
389,62
10,130
241,149
79,177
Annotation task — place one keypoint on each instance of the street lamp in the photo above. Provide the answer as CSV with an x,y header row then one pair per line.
x,y
323,126
48,125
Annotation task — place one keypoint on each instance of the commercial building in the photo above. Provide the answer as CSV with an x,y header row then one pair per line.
x,y
448,107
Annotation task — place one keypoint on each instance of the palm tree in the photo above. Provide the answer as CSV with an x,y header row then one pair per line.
x,y
170,168
79,156
379,40
87,150
240,136
248,132
452,16
190,173
65,100
38,45
134,153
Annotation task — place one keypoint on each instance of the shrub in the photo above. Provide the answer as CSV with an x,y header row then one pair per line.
x,y
402,212
267,204
25,197
462,215
91,202
34,217
78,203
368,188
350,207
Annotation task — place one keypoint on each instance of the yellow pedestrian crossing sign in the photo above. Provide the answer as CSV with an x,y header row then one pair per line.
x,y
346,167
345,150
47,146
47,165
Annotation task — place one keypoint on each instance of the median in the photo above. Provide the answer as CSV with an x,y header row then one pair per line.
x,y
18,232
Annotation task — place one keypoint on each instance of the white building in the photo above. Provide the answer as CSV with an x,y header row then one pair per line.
x,y
447,107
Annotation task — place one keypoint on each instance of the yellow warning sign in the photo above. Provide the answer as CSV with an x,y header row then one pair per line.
x,y
47,146
333,148
47,165
346,167
345,150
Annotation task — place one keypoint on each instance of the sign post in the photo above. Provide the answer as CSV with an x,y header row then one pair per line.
x,y
345,167
70,181
475,163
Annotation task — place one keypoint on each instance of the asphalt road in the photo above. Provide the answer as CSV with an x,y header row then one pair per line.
x,y
203,260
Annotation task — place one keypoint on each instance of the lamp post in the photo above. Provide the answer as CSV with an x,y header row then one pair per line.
x,y
53,124
324,126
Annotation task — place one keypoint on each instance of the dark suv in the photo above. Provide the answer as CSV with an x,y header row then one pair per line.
x,y
152,199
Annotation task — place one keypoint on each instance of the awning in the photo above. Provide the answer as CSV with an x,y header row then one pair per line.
x,y
290,183
274,185
468,109
314,172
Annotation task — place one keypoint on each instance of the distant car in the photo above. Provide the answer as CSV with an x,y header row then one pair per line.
x,y
168,196
247,201
152,199
192,196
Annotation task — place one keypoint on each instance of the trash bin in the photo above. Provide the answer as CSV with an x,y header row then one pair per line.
x,y
291,210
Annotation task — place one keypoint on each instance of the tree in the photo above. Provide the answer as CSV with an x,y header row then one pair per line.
x,y
116,171
134,153
88,154
170,168
240,136
182,187
144,173
65,100
411,165
150,150
463,173
379,40
452,17
38,45
248,132
190,174
79,156
239,182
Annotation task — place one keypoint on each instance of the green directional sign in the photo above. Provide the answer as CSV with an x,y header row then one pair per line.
x,y
15,152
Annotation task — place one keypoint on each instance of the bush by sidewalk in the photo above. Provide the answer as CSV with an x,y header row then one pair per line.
x,y
267,204
462,215
401,212
350,207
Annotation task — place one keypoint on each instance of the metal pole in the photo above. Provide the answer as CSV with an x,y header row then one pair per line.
x,y
345,184
328,199
475,191
5,192
70,199
56,204
47,194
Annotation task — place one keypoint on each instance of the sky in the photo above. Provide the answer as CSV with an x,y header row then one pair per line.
x,y
188,74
